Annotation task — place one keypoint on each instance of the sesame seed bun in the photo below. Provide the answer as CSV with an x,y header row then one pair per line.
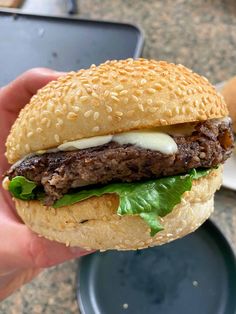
x,y
229,93
94,224
113,97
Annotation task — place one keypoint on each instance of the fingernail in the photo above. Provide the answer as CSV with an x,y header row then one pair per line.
x,y
60,72
51,71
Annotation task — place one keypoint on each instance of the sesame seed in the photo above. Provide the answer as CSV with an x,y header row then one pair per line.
x,y
138,92
50,105
149,101
135,98
183,110
29,134
96,115
95,95
96,129
72,116
189,110
205,79
106,93
108,108
73,85
95,79
84,81
39,130
176,110
83,98
151,91
119,113
27,148
184,82
122,72
143,81
119,88
163,122
76,108
187,101
88,113
89,90
158,86
141,107
124,92
109,118
57,138
163,82
115,98
178,92
114,75
60,121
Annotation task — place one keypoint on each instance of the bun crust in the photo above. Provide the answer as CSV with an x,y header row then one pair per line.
x,y
229,93
114,97
94,224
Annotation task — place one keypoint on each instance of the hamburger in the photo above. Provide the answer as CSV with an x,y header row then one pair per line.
x,y
124,155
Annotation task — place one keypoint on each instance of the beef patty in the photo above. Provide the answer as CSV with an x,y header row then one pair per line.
x,y
209,145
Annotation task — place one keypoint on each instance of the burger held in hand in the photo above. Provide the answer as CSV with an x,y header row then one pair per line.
x,y
124,155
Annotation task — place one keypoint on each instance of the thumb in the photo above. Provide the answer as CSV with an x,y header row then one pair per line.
x,y
18,93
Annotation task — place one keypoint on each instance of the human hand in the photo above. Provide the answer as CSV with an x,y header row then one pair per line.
x,y
23,254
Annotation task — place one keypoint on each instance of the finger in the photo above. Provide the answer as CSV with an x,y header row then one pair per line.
x,y
18,93
24,249
9,283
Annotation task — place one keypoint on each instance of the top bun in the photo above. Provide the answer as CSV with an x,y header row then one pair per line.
x,y
229,93
113,97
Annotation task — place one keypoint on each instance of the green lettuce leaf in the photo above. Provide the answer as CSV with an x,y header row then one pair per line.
x,y
150,199
22,188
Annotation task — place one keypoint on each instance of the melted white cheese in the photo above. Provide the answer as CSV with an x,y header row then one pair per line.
x,y
149,140
145,139
86,143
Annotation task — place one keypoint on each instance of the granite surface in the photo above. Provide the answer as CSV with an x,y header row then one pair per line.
x,y
200,34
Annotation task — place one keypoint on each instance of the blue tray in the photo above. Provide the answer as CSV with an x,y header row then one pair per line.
x,y
196,274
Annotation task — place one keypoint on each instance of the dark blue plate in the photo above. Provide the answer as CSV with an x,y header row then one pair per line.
x,y
61,43
196,274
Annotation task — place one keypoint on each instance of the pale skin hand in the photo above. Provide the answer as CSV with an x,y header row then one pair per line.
x,y
22,253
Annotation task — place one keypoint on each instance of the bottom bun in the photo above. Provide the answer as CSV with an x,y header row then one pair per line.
x,y
94,224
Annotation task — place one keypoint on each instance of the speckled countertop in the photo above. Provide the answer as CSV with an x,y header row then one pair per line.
x,y
200,34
